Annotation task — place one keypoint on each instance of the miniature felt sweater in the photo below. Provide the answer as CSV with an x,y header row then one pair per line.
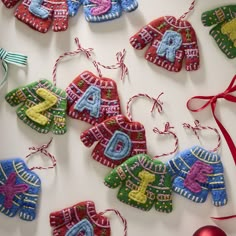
x,y
56,15
118,139
224,19
102,10
43,106
171,41
196,172
92,99
144,182
82,217
19,189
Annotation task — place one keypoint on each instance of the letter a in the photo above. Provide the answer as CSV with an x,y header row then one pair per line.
x,y
119,146
91,100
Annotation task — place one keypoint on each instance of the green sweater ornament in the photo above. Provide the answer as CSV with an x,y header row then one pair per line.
x,y
224,32
144,182
43,106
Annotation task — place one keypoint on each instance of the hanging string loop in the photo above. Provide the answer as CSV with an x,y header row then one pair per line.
x,y
156,103
42,149
199,127
189,10
167,131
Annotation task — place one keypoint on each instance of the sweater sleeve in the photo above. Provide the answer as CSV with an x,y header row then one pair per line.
x,y
73,6
88,137
19,95
217,188
115,177
129,5
218,15
10,3
146,34
28,210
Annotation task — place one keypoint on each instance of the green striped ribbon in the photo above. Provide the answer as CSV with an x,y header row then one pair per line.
x,y
10,58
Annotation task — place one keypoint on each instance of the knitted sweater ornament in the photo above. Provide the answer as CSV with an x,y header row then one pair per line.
x,y
92,99
224,19
118,139
80,219
43,106
171,41
41,14
196,172
144,182
102,10
19,189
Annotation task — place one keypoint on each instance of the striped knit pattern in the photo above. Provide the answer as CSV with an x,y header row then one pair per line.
x,y
219,17
127,176
27,95
23,203
65,219
181,165
104,131
153,34
110,102
58,16
92,6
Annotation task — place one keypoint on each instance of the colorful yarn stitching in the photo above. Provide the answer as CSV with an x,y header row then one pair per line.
x,y
118,139
165,35
102,10
19,189
196,172
224,31
43,106
144,182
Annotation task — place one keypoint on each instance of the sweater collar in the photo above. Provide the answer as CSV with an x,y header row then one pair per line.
x,y
126,124
171,20
205,155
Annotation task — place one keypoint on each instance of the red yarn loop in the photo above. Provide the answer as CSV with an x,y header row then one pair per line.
x,y
43,150
167,130
156,103
198,127
124,221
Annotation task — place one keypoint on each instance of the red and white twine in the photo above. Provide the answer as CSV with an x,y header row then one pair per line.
x,y
198,127
80,49
167,131
124,221
120,57
43,150
156,103
189,10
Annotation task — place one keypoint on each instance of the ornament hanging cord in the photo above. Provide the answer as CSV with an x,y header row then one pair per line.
x,y
156,103
199,127
43,150
167,130
189,10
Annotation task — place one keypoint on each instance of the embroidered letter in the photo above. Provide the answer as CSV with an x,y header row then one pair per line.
x,y
36,9
91,100
197,174
84,227
102,6
119,146
169,44
139,195
229,29
34,112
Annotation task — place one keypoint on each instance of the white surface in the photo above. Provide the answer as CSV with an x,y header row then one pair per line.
x,y
77,176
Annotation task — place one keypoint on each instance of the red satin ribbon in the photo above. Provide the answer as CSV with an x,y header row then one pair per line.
x,y
223,218
212,100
